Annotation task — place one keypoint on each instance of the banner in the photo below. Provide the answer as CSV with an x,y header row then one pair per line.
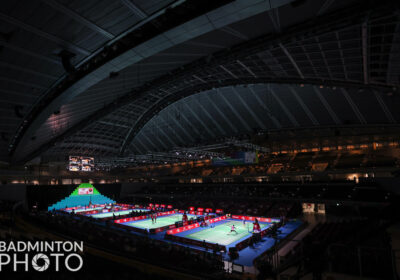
x,y
85,191
165,213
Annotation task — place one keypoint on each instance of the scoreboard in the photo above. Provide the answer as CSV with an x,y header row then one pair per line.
x,y
81,163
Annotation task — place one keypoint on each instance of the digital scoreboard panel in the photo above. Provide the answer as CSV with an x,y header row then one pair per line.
x,y
81,163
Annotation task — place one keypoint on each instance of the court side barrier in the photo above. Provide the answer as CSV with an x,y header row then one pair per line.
x,y
119,216
143,217
131,219
99,211
76,207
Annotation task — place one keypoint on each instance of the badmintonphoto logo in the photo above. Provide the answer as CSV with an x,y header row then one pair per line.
x,y
27,256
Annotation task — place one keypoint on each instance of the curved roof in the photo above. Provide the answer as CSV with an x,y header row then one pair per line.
x,y
108,108
239,110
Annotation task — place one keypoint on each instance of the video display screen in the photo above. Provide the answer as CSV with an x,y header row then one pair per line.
x,y
81,163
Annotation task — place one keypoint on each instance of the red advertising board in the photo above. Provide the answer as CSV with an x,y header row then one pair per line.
x,y
165,213
182,229
119,221
260,219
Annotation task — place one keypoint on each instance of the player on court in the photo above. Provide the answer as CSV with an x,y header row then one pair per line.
x,y
152,218
233,229
244,221
155,218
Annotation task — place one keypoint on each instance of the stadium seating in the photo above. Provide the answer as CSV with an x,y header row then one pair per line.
x,y
72,201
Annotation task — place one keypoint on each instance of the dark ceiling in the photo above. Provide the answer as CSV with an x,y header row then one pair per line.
x,y
238,67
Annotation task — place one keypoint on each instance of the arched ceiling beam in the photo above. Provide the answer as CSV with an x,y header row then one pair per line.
x,y
26,70
196,116
146,148
385,109
327,106
149,140
227,102
218,110
28,84
291,118
178,124
29,53
134,9
188,123
354,107
157,138
59,7
270,115
304,106
203,109
325,7
291,60
72,47
255,117
176,134
161,129
246,68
